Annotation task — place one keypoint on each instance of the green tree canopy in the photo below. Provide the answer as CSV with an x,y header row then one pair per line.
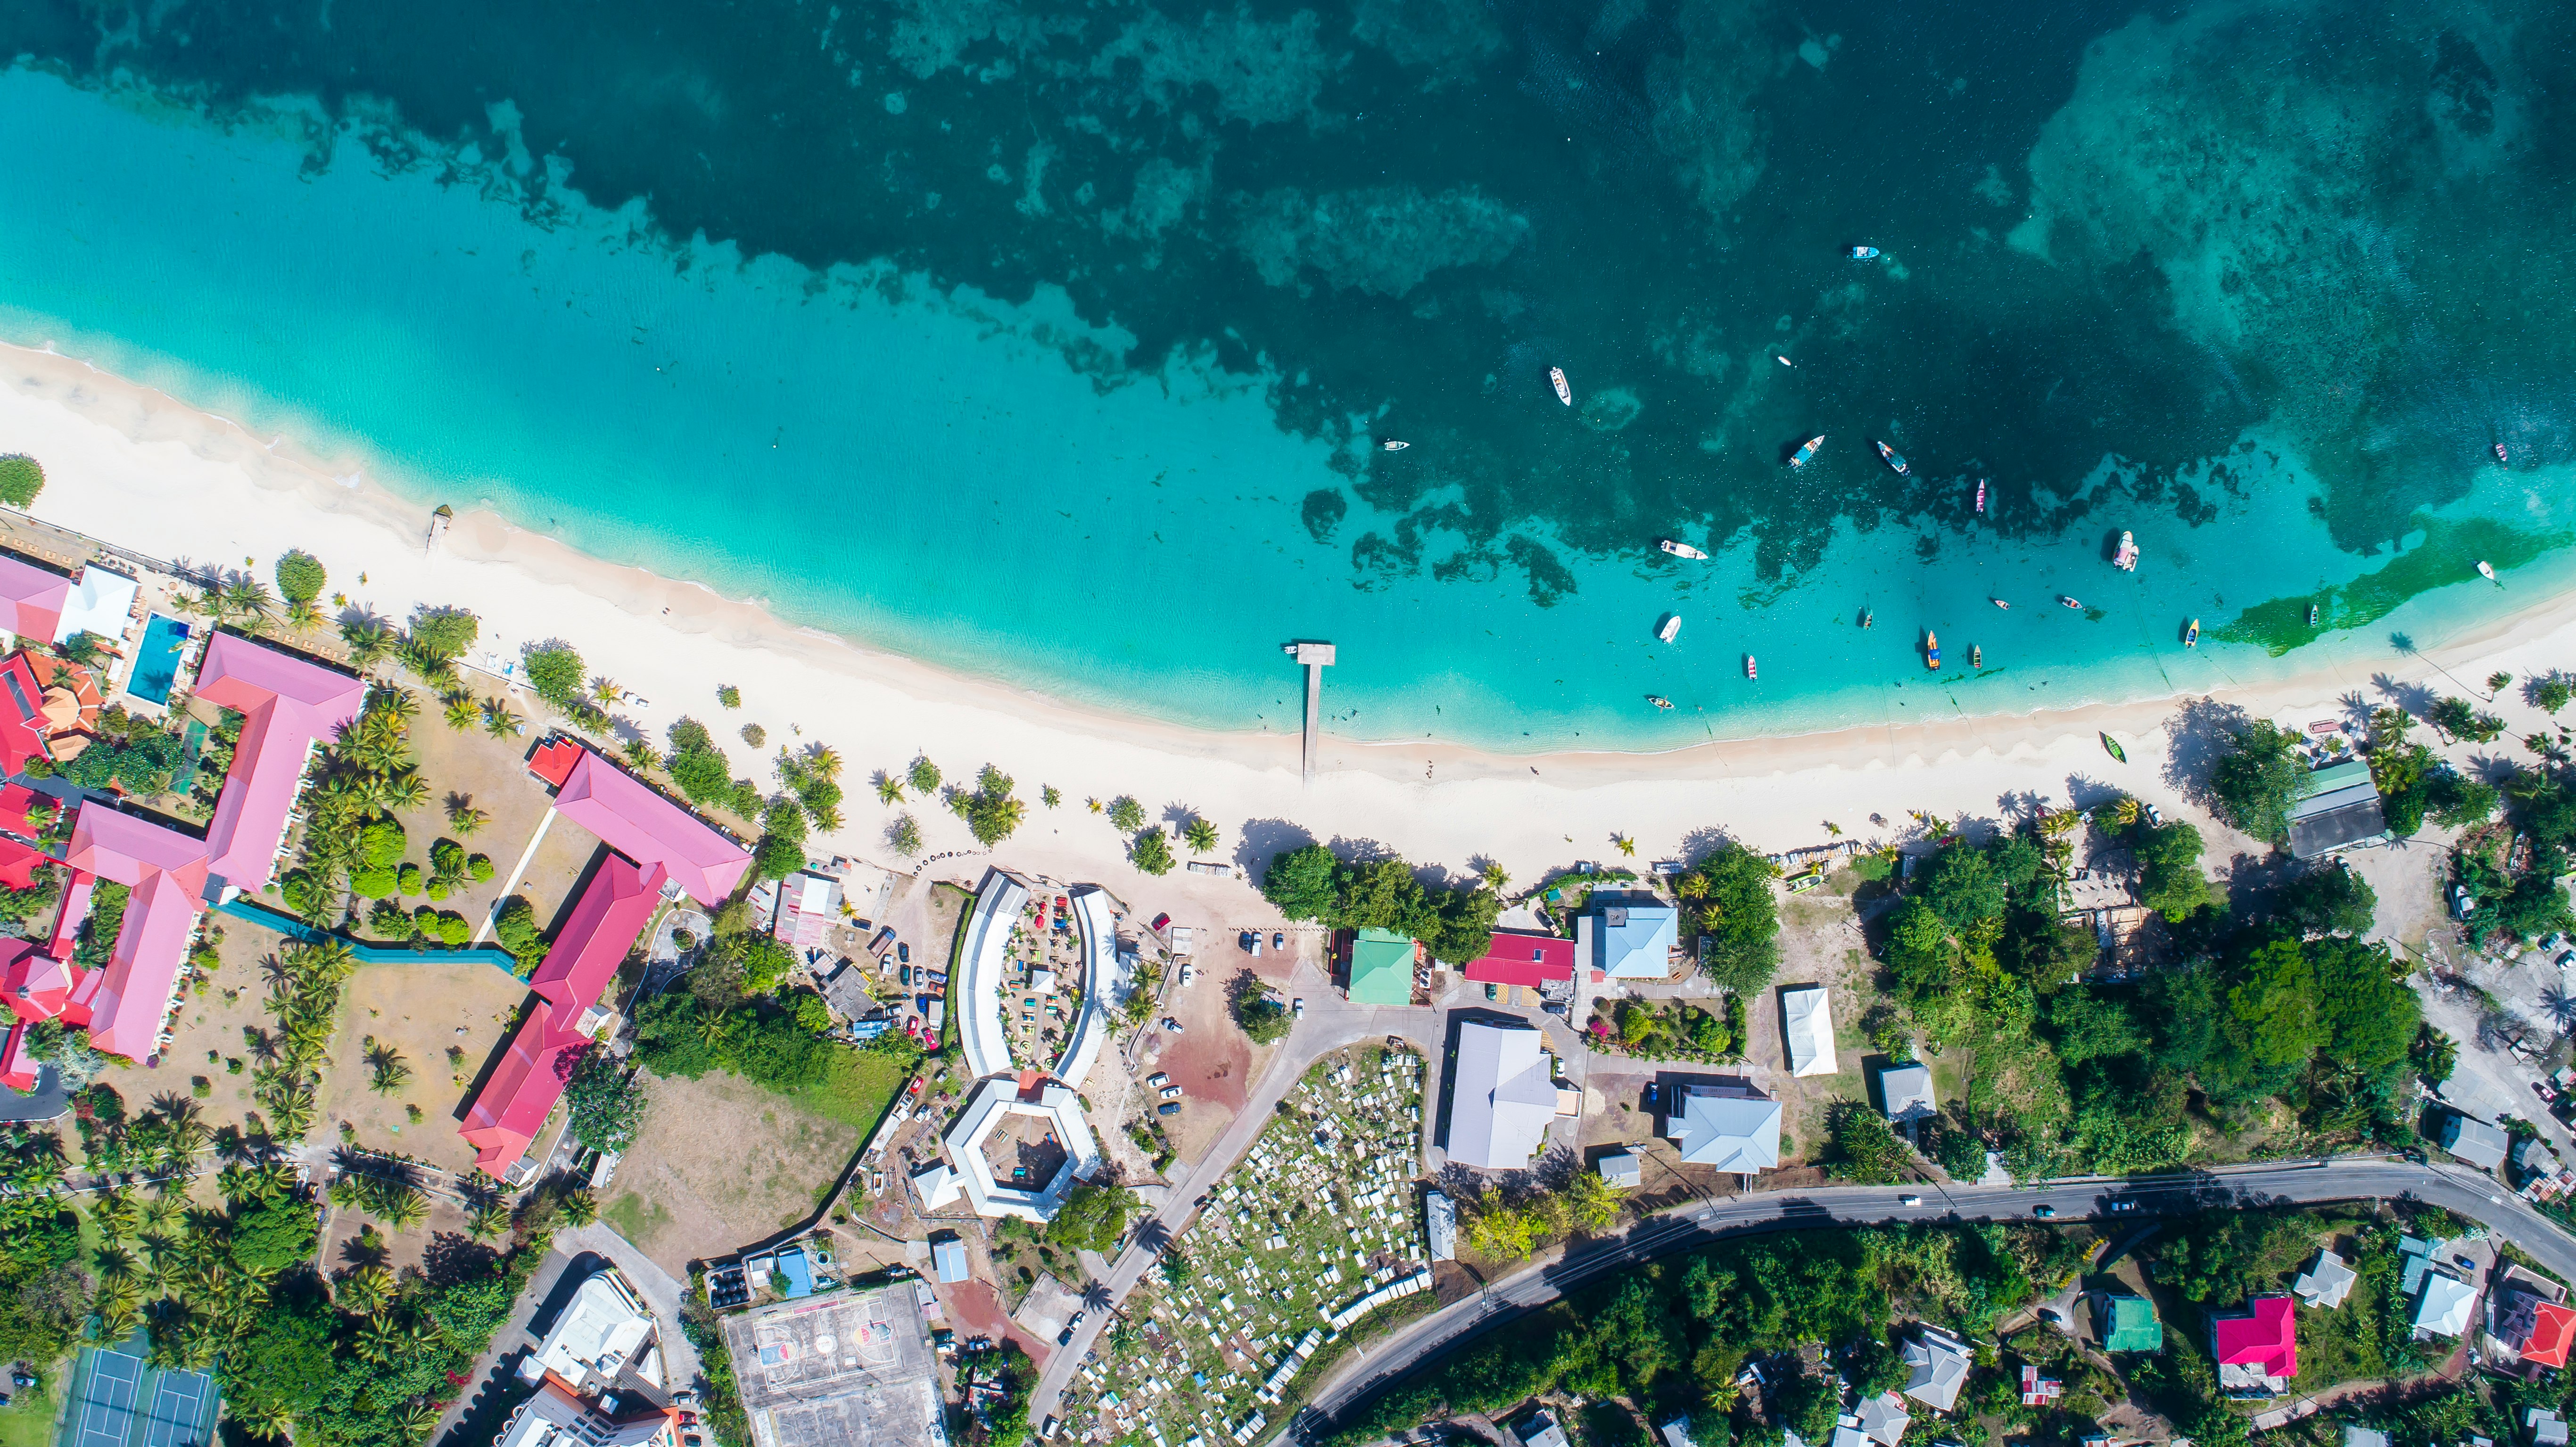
x,y
1741,917
1301,882
2257,780
2170,880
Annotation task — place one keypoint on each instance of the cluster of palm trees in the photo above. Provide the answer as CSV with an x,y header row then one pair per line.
x,y
368,772
304,982
165,1139
388,1190
171,1265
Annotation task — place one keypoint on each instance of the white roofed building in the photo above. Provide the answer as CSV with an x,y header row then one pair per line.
x,y
605,1327
1503,1098
1807,1030
2325,1283
1728,1127
1936,1365
100,602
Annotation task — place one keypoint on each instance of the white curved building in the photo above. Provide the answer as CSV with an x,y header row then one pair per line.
x,y
976,993
1098,925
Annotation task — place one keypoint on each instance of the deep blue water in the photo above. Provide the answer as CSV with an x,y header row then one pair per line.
x,y
1058,341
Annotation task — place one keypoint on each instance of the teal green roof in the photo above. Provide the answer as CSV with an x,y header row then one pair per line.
x,y
2133,1326
2348,775
1382,968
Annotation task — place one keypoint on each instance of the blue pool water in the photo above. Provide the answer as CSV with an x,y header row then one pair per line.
x,y
156,664
1062,343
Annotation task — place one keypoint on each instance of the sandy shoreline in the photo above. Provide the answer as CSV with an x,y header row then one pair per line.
x,y
143,470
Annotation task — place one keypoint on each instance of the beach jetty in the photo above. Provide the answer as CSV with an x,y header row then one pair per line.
x,y
1314,658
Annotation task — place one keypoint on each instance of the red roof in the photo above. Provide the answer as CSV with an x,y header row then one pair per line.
x,y
17,1066
524,1087
2553,1331
15,801
554,759
19,863
2267,1338
595,941
1518,959
649,827
22,733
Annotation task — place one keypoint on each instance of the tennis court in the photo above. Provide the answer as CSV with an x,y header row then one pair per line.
x,y
120,1400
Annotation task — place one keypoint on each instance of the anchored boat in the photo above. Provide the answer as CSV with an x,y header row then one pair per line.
x,y
2488,573
1564,393
2070,603
1680,550
2191,635
1748,667
1864,253
1669,628
1889,455
1659,701
1976,655
1396,446
1931,649
1804,454
1981,497
2126,559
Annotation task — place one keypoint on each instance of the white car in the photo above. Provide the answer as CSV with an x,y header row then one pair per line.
x,y
1297,1007
1909,1200
1171,1092
1187,973
1158,1079
1171,1024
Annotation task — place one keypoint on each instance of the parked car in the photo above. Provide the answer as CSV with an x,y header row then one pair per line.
x,y
1171,1092
903,952
1168,1108
1492,993
1187,974
1279,939
1171,1024
1070,1323
1047,1428
903,975
685,1397
2124,1204
1297,1007
1159,1079
1162,922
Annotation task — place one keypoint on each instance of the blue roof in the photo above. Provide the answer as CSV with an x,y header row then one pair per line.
x,y
1636,939
949,1257
799,1273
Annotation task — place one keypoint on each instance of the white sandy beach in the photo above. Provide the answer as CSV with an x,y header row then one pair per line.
x,y
147,472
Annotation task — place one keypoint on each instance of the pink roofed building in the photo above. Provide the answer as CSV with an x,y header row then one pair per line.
x,y
649,827
2258,1353
512,1107
18,1064
166,872
31,598
287,704
36,984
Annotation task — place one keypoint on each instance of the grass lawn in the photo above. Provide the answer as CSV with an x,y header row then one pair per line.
x,y
862,1084
28,1420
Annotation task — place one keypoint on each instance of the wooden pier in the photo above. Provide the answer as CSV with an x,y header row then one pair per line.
x,y
1314,658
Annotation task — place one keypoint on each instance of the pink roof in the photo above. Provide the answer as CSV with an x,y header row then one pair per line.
x,y
167,872
67,918
2266,1339
639,822
594,942
286,704
523,1090
17,1065
31,599
1517,959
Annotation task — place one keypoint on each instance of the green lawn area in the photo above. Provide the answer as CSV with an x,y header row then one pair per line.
x,y
862,1083
28,1421
633,1216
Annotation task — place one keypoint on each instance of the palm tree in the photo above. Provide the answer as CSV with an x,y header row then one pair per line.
x,y
414,1421
604,689
364,1291
392,1071
890,789
114,1264
460,714
639,754
266,1419
1494,876
404,789
1627,846
406,1211
1201,835
498,720
487,1220
247,597
394,699
580,1208
379,1340
370,641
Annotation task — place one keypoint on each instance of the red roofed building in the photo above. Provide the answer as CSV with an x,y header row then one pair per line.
x,y
647,826
288,704
18,1066
19,863
31,599
22,720
166,870
554,759
2542,1331
1527,960
2258,1353
36,984
16,800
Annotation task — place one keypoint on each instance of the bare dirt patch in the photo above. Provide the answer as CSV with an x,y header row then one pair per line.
x,y
721,1162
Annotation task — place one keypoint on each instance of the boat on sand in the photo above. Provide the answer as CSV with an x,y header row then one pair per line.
x,y
2111,746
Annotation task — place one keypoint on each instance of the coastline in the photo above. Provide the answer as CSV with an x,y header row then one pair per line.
x,y
137,467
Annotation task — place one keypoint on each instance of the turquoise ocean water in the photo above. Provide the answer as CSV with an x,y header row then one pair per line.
x,y
1057,343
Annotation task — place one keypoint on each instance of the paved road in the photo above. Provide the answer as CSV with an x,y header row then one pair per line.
x,y
2466,1192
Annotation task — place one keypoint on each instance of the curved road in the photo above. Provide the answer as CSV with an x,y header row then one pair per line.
x,y
2456,1188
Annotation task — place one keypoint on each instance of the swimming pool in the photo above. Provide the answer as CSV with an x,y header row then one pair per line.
x,y
156,663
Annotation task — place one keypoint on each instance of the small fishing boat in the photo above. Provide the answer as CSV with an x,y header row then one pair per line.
x,y
2501,459
2312,615
2126,559
2000,603
1396,446
2488,573
1976,655
1889,453
2065,601
1808,452
1748,667
1680,550
1867,617
1659,701
1564,393
2191,635
1669,628
1864,253
1783,361
1931,650
2111,746
1981,497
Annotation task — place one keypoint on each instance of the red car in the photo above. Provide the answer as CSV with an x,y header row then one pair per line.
x,y
1162,922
